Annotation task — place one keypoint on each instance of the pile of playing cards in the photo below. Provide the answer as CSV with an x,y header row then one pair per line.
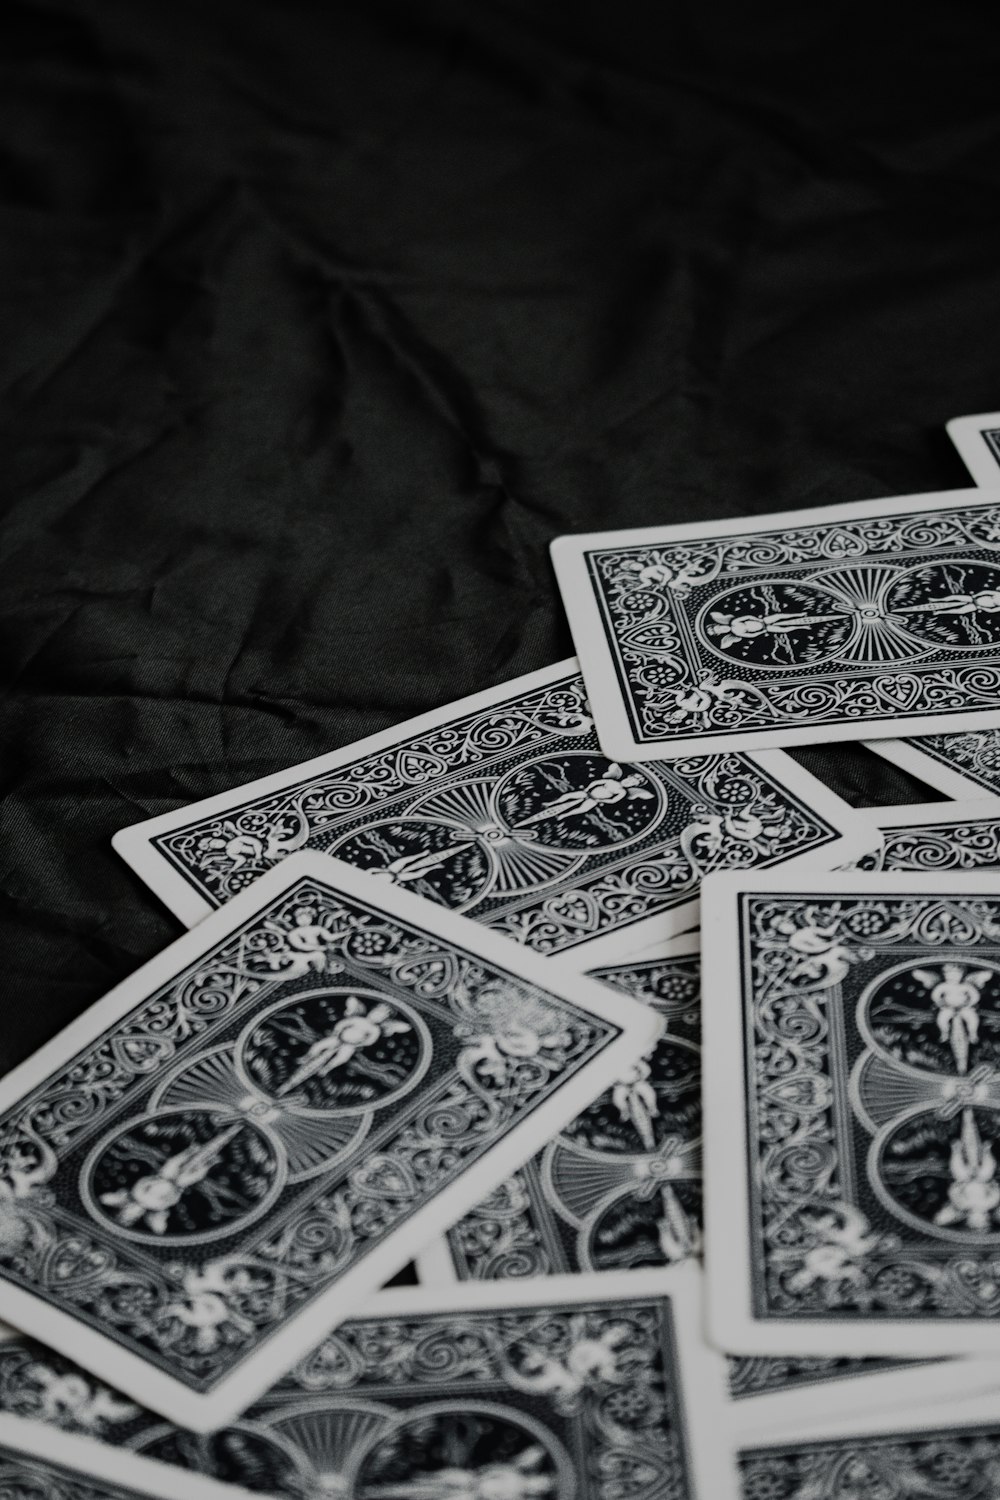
x,y
445,1000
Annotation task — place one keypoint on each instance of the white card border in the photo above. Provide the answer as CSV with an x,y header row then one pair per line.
x,y
435,1264
598,665
704,1392
732,1325
927,768
797,1408
136,1376
967,435
937,1415
933,814
103,1463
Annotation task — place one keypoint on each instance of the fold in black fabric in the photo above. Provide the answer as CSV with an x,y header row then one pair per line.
x,y
320,320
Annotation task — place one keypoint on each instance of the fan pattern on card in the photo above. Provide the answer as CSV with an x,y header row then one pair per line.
x,y
873,1051
975,754
758,1375
831,623
945,1465
972,844
580,1400
512,816
210,1166
621,1186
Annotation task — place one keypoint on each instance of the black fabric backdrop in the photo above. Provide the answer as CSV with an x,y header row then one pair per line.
x,y
320,320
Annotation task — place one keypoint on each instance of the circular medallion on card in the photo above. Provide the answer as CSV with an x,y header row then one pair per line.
x,y
941,1015
777,624
334,1051
444,862
181,1174
241,1455
654,1224
658,1098
940,1172
952,605
579,802
473,1451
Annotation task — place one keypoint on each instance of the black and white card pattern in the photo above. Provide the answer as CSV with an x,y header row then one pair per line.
x,y
620,1186
853,1205
574,1389
502,807
936,836
214,1162
791,628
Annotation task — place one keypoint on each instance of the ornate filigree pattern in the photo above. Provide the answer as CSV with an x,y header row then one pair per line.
x,y
758,1375
972,844
882,1203
223,1121
514,817
830,623
962,1464
582,1399
621,1186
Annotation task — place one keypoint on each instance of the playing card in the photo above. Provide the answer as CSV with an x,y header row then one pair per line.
x,y
620,1186
577,1387
37,1463
879,617
503,808
958,765
939,1450
852,1113
977,439
207,1169
769,1393
936,836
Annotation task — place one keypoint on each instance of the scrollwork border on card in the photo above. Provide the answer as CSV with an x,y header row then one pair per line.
x,y
815,1252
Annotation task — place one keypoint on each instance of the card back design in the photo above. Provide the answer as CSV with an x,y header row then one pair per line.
x,y
810,625
872,1033
962,1463
620,1187
763,1375
246,1133
508,813
514,1401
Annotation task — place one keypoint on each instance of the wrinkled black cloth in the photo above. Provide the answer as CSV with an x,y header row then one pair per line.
x,y
320,320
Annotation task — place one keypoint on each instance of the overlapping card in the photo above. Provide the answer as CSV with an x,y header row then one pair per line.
x,y
557,1389
486,1035
852,1109
502,807
210,1166
877,618
620,1186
